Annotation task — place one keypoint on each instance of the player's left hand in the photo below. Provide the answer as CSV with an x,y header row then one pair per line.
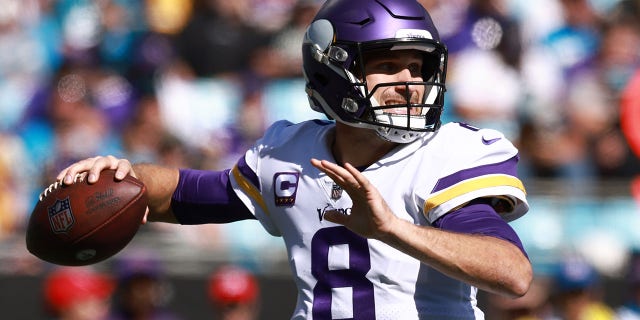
x,y
370,215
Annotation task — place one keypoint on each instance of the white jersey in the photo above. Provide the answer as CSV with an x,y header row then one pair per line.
x,y
340,275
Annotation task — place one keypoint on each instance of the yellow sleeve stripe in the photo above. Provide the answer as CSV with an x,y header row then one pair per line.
x,y
471,185
249,189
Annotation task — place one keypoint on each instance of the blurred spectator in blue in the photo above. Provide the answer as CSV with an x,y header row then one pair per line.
x,y
68,124
142,290
575,43
120,32
234,293
80,24
125,38
77,294
487,45
28,56
576,293
100,32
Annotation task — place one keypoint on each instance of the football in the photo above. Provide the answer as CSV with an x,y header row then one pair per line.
x,y
82,224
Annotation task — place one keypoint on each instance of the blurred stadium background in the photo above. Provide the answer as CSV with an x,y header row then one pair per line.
x,y
194,82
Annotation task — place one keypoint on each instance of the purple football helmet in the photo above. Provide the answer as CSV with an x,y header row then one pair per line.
x,y
332,53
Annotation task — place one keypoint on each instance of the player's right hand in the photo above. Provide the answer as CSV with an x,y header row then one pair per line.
x,y
93,166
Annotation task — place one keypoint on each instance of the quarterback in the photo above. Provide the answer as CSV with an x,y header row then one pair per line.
x,y
385,212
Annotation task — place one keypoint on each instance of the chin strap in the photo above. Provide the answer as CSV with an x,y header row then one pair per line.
x,y
393,134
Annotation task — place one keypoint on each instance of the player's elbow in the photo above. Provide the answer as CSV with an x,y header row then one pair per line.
x,y
520,281
521,287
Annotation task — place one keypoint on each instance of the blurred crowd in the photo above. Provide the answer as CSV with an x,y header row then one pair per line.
x,y
138,289
573,291
195,82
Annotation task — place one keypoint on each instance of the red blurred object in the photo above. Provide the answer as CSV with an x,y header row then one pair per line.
x,y
629,122
630,113
232,285
66,286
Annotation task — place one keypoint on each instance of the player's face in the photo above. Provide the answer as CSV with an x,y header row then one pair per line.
x,y
395,66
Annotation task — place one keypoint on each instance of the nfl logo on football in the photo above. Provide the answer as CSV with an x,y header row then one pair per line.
x,y
60,216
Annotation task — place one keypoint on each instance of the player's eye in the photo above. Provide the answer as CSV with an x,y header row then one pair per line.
x,y
415,69
386,67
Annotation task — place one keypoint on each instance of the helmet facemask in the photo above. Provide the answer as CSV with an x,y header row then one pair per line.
x,y
415,110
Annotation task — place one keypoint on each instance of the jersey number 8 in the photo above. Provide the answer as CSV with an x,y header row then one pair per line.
x,y
353,277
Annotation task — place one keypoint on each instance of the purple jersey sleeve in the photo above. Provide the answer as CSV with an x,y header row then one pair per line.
x,y
207,197
479,217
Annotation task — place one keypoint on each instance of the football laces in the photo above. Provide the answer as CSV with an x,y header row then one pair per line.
x,y
78,178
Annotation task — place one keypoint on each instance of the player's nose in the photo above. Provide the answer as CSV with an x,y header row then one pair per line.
x,y
405,88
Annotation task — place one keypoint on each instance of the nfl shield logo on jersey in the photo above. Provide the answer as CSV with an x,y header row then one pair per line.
x,y
61,217
336,192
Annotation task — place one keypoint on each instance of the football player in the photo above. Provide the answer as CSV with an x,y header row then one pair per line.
x,y
385,213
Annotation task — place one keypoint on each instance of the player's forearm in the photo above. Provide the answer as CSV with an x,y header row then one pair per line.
x,y
161,182
489,263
